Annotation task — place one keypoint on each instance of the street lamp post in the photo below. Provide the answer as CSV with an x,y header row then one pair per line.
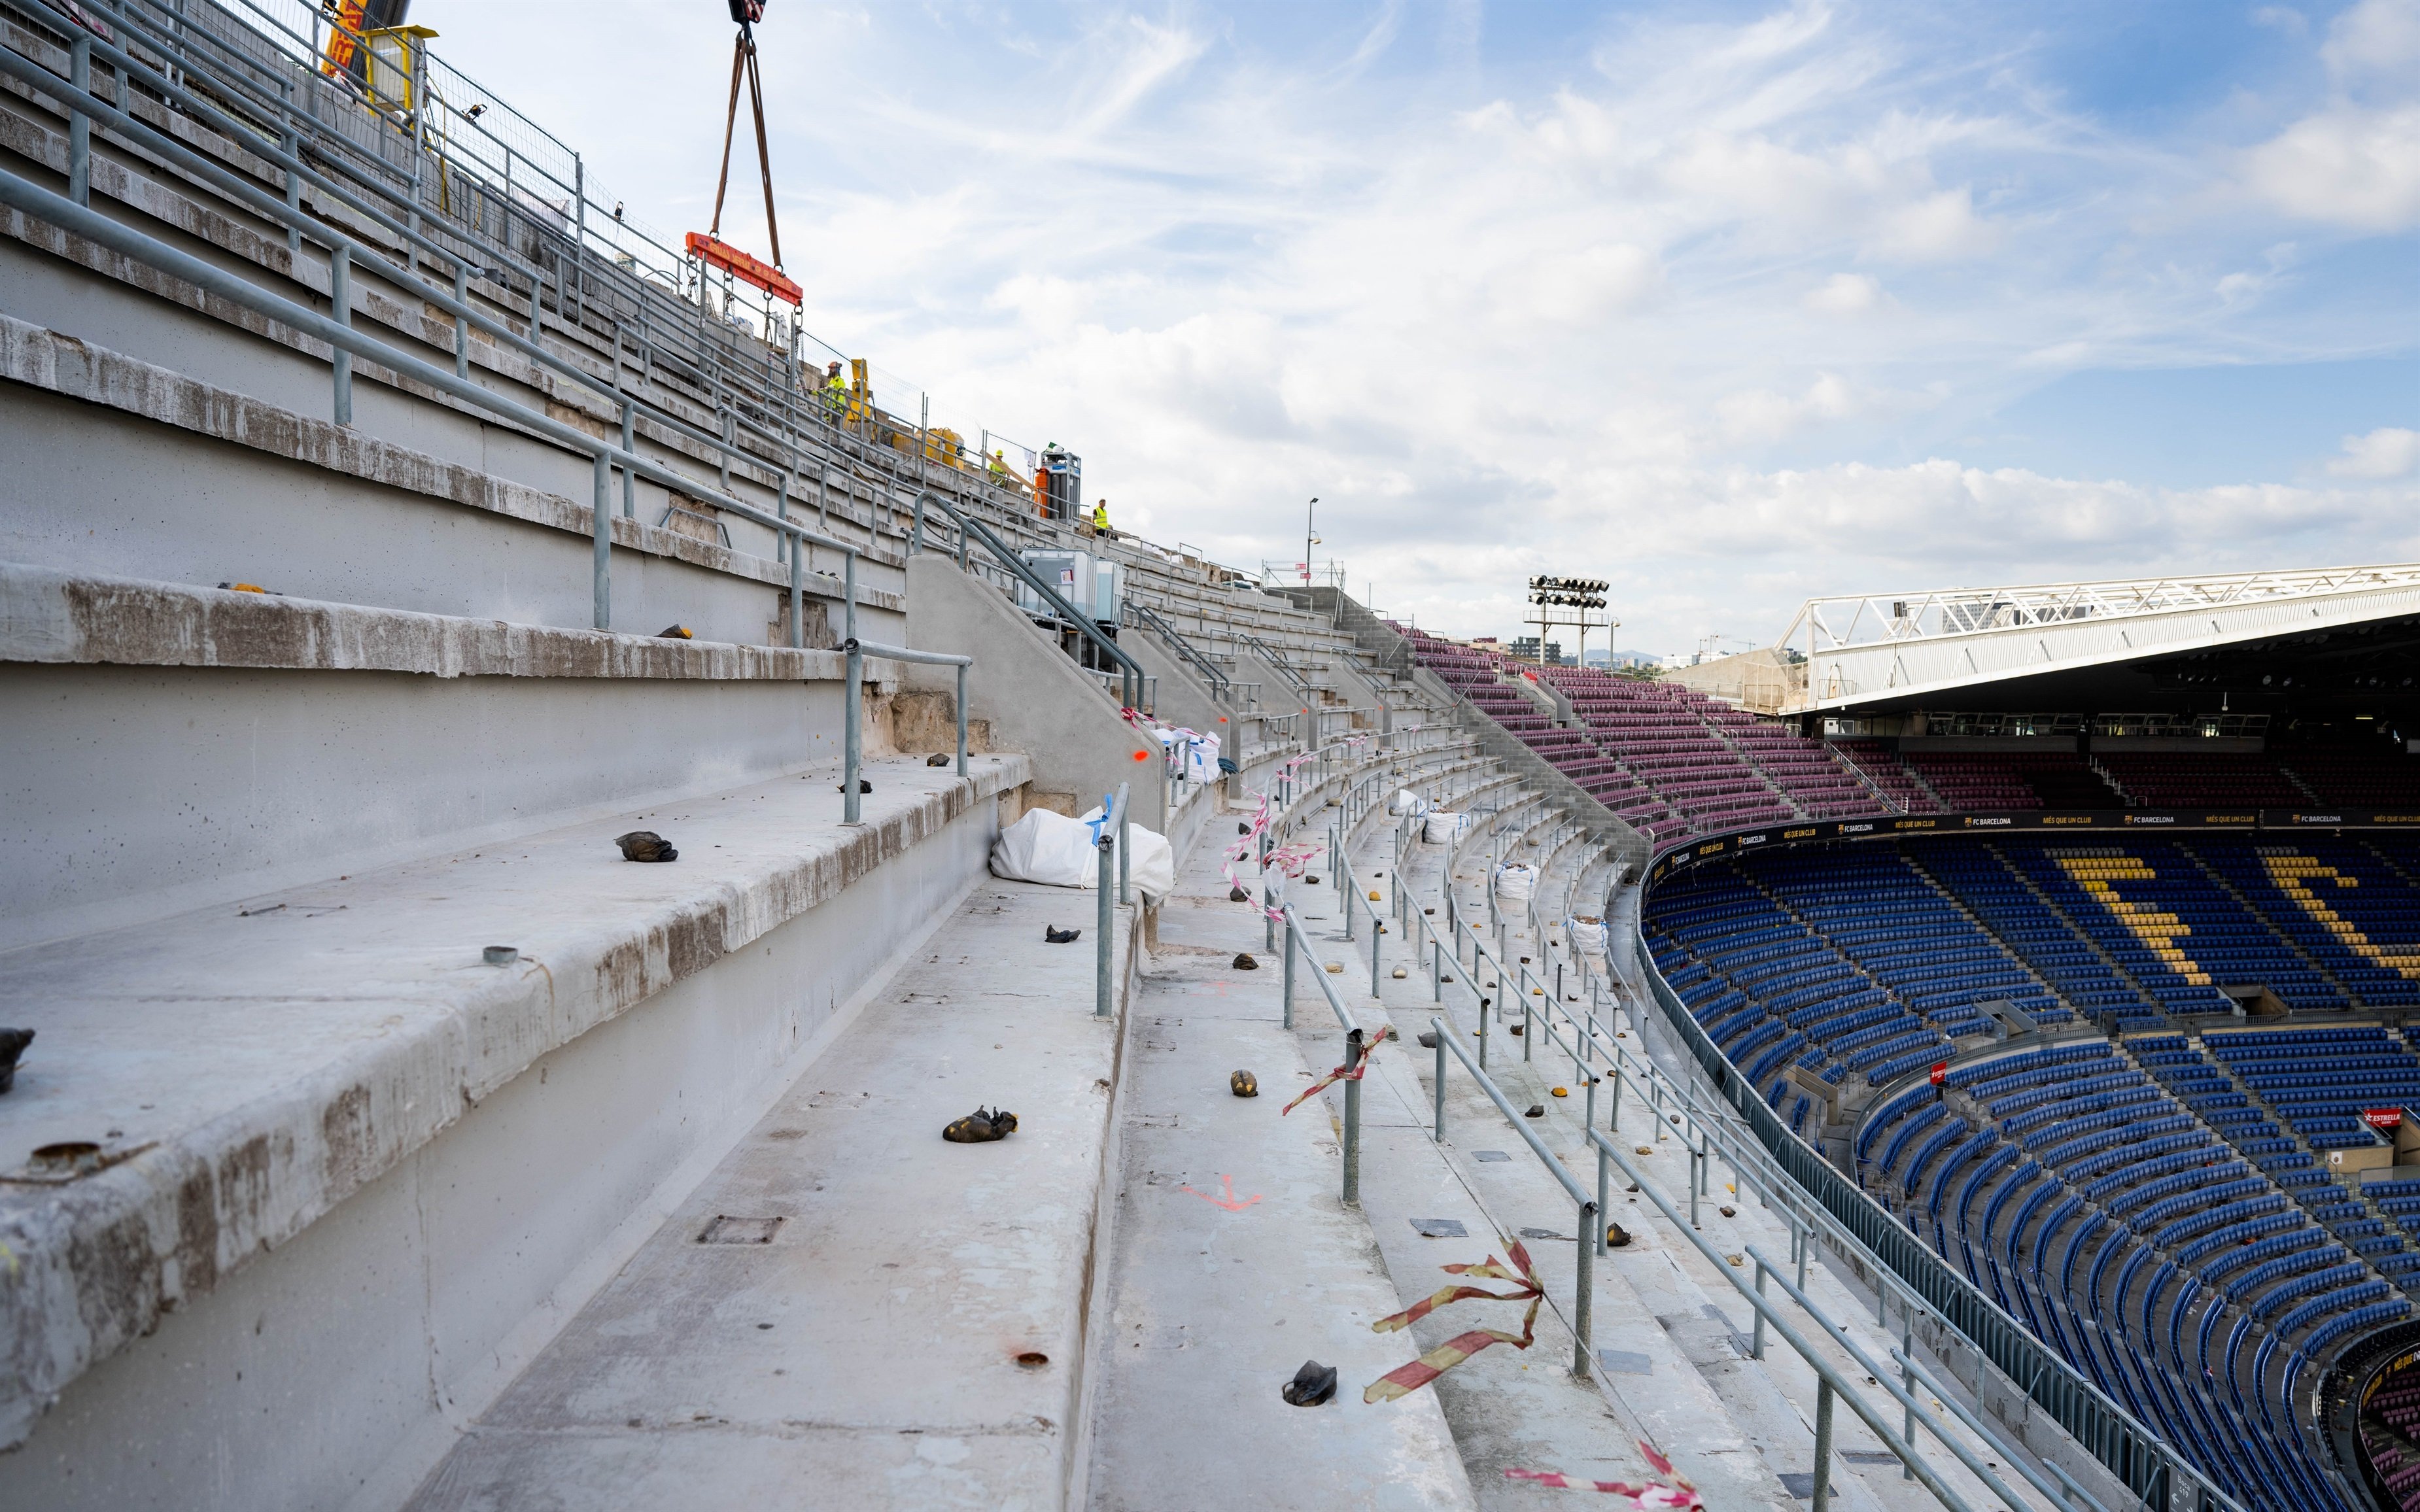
x,y
1309,539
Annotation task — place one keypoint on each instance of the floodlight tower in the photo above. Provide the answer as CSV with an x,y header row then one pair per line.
x,y
1578,596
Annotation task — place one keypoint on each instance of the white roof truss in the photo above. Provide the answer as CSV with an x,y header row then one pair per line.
x,y
1895,645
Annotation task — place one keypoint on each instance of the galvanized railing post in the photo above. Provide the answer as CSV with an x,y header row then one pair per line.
x,y
462,332
1820,1498
602,530
1286,937
1907,1377
1438,1132
80,124
962,685
852,736
1353,1054
630,496
293,143
1125,863
340,309
798,594
1104,915
1755,1340
1603,1198
1584,1289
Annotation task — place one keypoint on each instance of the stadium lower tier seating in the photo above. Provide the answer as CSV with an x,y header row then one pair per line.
x,y
2162,1189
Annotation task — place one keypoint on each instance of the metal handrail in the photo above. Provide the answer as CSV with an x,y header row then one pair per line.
x,y
246,80
32,199
644,320
1833,1383
853,740
969,529
1593,1243
1277,662
1591,1213
356,252
2137,1456
1355,1048
1221,686
1113,837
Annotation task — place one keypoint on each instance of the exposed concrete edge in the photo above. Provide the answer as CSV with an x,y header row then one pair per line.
x,y
56,363
1074,1476
49,615
95,1263
468,1397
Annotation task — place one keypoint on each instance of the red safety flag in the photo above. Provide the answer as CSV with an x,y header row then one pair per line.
x,y
1342,1074
1405,1380
1680,1496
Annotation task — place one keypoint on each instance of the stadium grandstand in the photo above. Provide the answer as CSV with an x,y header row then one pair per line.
x,y
1966,1064
2108,1009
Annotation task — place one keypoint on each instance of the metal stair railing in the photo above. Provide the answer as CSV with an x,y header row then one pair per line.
x,y
1132,679
344,341
1223,687
240,71
1283,668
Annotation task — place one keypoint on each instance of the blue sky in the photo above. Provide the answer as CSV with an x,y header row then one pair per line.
x,y
1727,303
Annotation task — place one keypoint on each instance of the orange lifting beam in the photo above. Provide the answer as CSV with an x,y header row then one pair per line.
x,y
707,246
716,252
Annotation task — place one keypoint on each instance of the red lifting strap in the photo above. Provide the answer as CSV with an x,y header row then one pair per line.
x,y
707,245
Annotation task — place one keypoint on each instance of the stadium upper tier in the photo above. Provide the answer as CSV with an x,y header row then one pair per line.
x,y
1674,763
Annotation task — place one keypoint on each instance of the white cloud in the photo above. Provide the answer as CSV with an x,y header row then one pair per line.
x,y
1933,229
2388,451
2346,166
1844,294
2375,39
1580,307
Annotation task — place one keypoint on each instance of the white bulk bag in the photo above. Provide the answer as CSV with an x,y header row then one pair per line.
x,y
1587,933
1516,881
1047,847
1058,851
1408,802
1154,867
1443,827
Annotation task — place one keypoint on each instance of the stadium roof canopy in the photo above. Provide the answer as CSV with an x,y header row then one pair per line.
x,y
2341,636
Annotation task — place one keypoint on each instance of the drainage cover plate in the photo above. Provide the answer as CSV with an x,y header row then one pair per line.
x,y
726,1229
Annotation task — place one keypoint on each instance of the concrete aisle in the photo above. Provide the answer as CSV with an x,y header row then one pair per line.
x,y
851,1311
1235,1259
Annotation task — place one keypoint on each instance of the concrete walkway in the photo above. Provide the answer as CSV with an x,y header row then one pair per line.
x,y
1235,1259
851,1311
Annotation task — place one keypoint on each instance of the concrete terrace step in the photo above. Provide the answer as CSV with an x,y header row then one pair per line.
x,y
246,1068
910,1328
180,755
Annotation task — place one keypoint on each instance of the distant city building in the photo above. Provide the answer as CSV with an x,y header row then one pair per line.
x,y
1609,660
1525,647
